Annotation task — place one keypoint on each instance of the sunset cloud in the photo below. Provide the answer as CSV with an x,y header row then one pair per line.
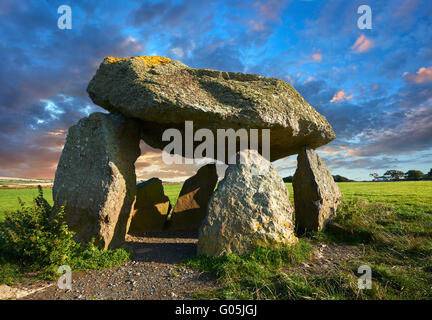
x,y
362,44
57,133
270,10
422,75
317,57
45,72
341,96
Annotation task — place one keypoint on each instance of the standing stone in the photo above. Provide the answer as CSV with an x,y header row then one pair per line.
x,y
95,178
249,208
316,195
190,208
150,209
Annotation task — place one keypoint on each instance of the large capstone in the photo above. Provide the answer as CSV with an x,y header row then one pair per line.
x,y
95,179
249,208
191,205
151,208
316,195
165,93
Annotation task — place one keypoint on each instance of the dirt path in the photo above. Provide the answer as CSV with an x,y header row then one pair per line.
x,y
153,273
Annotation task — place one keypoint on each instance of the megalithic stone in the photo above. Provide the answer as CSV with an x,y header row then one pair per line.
x,y
151,208
165,93
316,195
191,205
95,179
249,208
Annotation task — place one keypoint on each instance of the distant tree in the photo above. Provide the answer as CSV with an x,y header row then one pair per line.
x,y
288,179
414,175
429,175
395,174
338,178
374,175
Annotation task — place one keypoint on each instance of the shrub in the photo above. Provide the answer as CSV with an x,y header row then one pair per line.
x,y
37,239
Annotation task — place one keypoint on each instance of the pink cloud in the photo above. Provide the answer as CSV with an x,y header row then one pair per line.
x,y
317,57
341,96
362,44
309,79
270,10
422,75
257,25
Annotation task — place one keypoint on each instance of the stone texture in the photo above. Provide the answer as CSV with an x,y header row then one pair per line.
x,y
165,93
190,208
150,209
250,207
316,195
95,178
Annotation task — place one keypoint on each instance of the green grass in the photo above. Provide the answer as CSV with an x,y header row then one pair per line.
x,y
9,198
253,276
390,221
172,191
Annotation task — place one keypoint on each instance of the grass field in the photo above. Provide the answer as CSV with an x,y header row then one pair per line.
x,y
390,221
413,195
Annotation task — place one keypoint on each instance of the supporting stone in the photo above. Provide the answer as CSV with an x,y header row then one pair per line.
x,y
249,208
190,208
316,195
95,178
150,209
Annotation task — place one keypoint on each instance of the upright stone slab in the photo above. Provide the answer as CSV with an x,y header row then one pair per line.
x,y
316,195
249,208
190,208
151,208
95,178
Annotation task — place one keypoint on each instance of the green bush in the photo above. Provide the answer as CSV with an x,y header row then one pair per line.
x,y
37,239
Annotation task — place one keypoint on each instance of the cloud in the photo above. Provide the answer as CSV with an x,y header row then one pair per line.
x,y
341,96
422,75
362,44
316,57
270,10
178,52
412,134
45,71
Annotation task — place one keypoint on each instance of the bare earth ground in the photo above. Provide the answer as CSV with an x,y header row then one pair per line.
x,y
326,259
154,273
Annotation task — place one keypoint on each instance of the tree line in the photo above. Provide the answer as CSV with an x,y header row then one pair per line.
x,y
337,178
389,175
397,175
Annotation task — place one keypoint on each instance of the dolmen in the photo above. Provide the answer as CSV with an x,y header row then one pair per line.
x,y
144,97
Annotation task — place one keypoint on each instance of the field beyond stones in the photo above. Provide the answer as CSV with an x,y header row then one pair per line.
x,y
385,225
410,194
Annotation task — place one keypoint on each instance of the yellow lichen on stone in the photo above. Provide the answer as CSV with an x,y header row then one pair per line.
x,y
150,61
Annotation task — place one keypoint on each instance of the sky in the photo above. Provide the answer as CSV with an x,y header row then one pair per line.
x,y
374,86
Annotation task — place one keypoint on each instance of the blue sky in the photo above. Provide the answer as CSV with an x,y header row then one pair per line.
x,y
374,86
